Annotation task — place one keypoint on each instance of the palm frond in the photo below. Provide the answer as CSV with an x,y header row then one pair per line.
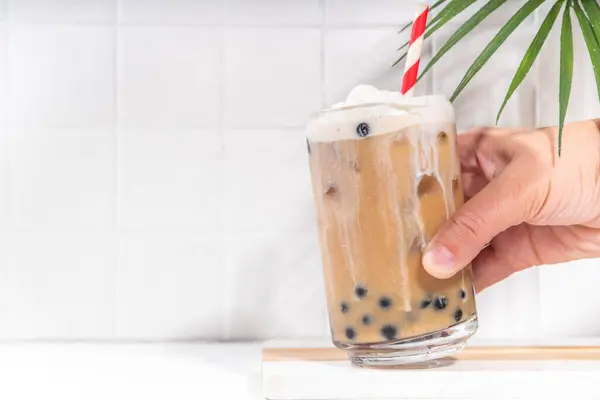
x,y
496,42
592,8
566,71
463,31
454,8
587,13
433,7
591,42
532,53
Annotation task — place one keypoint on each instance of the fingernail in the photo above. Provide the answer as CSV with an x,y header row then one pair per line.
x,y
439,262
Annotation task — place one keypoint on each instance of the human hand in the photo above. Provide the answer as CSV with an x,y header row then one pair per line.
x,y
532,207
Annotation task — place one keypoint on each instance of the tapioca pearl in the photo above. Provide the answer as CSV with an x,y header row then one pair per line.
x,y
363,129
350,333
440,303
427,184
389,332
463,294
367,319
442,136
458,314
385,302
344,307
360,291
426,302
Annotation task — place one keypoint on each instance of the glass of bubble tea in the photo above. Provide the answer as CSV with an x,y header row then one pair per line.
x,y
386,175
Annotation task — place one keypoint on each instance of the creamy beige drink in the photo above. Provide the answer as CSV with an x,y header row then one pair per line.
x,y
385,176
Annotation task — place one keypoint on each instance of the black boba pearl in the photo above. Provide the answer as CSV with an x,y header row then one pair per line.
x,y
366,319
350,333
363,129
426,302
385,302
463,294
360,291
308,146
344,308
389,332
458,315
440,303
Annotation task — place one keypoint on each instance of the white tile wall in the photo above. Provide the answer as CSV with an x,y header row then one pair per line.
x,y
170,286
168,76
61,179
274,286
274,12
62,11
169,179
495,81
173,12
58,285
61,74
272,76
570,287
266,193
2,71
351,13
584,97
498,18
365,55
153,173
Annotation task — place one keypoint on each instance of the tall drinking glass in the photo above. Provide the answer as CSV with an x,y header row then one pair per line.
x,y
385,176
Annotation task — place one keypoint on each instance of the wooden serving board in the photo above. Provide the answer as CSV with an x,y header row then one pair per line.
x,y
307,371
480,353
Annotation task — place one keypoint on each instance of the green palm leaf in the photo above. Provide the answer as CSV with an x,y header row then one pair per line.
x,y
461,32
592,8
433,7
532,52
448,13
566,71
496,42
591,41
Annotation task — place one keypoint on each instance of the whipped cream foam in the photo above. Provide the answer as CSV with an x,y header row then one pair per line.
x,y
368,112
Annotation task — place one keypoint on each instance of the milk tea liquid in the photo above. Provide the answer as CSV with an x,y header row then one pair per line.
x,y
385,176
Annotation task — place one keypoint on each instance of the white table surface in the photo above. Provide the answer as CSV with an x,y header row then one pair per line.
x,y
129,371
85,371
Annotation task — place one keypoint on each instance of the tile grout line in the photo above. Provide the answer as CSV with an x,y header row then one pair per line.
x,y
8,204
323,4
190,126
316,25
117,266
226,272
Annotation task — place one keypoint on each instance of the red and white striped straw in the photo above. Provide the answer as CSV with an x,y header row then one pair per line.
x,y
413,58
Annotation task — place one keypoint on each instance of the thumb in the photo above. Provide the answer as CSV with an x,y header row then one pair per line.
x,y
503,203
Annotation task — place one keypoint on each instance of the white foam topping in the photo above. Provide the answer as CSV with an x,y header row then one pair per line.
x,y
383,112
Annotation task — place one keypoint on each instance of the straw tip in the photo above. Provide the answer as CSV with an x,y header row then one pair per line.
x,y
422,6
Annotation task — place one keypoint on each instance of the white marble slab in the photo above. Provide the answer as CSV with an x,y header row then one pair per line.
x,y
338,380
150,371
